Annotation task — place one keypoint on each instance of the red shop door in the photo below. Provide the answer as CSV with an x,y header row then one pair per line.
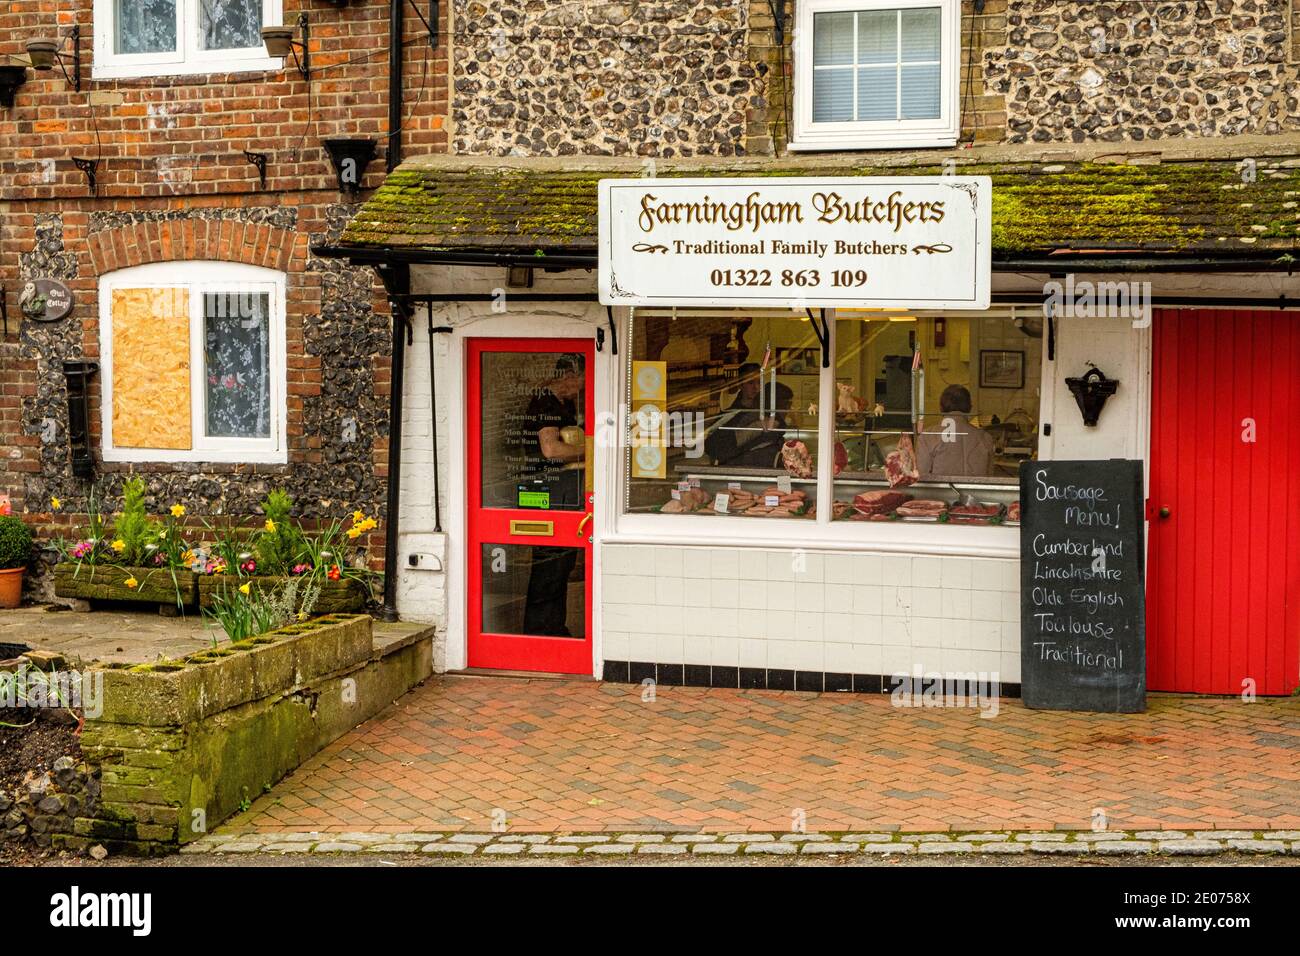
x,y
1223,587
529,523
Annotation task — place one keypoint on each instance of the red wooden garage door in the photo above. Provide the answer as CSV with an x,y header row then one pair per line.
x,y
1223,591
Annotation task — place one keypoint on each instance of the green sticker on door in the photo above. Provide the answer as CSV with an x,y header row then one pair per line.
x,y
532,498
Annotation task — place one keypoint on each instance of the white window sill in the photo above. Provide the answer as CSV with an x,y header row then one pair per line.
x,y
196,457
789,533
264,64
905,142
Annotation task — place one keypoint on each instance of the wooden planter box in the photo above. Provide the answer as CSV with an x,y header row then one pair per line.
x,y
108,583
335,596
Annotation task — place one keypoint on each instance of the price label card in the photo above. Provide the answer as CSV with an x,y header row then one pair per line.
x,y
772,501
694,482
720,502
783,484
683,486
733,486
677,494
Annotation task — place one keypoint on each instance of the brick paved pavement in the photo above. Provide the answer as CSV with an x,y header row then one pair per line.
x,y
584,756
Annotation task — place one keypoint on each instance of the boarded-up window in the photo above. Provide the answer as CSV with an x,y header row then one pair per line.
x,y
194,363
151,368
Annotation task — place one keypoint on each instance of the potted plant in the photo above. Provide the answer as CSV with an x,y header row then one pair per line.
x,y
15,553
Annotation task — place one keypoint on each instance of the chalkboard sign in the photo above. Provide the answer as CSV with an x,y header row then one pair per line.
x,y
1082,586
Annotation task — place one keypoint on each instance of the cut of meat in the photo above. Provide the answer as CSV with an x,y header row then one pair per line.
x,y
798,462
922,508
1013,511
900,464
975,511
877,502
841,457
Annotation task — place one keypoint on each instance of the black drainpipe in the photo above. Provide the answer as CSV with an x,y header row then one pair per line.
x,y
395,8
397,280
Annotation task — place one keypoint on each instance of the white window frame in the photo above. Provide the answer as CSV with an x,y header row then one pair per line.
x,y
188,59
885,134
200,277
820,534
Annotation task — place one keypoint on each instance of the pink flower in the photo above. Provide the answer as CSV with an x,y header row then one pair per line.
x,y
228,381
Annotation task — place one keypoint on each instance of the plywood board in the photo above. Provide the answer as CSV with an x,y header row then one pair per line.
x,y
151,368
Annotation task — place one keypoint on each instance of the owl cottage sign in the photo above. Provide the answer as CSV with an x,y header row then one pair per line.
x,y
45,300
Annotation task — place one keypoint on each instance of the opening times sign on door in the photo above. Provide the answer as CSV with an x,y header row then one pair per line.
x,y
1082,591
905,242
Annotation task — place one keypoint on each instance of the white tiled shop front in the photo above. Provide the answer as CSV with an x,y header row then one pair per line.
x,y
837,612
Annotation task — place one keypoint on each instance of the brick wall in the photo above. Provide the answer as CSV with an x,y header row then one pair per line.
x,y
174,183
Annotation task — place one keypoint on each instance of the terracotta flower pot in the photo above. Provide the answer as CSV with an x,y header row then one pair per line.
x,y
11,587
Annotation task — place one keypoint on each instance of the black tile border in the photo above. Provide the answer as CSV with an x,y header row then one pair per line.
x,y
758,678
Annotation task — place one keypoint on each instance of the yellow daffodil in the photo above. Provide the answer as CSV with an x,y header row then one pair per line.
x,y
354,532
358,517
368,524
244,588
119,545
178,511
131,583
56,504
270,526
162,534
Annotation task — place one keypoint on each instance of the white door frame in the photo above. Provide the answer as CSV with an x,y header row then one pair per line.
x,y
470,322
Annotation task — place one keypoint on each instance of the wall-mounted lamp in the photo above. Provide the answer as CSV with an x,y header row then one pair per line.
x,y
44,52
350,158
78,375
1091,392
11,77
280,42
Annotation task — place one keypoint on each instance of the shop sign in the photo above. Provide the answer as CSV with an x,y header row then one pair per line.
x,y
909,242
45,300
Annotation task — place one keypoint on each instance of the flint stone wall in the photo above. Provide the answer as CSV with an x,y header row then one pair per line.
x,y
558,77
1134,71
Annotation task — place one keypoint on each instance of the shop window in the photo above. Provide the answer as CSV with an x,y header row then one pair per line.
x,y
193,363
928,413
722,414
172,37
876,74
950,400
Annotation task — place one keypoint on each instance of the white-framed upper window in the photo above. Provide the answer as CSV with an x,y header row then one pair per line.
x,y
876,74
175,37
192,361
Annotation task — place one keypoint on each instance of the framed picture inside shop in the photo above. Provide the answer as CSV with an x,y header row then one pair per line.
x,y
1002,368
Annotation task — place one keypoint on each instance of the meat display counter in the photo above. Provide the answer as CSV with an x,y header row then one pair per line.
x,y
858,496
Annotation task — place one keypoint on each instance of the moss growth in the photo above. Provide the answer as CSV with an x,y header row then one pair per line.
x,y
1170,206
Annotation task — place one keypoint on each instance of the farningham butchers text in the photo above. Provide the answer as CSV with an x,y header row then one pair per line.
x,y
753,212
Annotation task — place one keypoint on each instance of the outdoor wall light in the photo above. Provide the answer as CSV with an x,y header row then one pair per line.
x,y
280,42
11,77
44,52
1091,392
350,158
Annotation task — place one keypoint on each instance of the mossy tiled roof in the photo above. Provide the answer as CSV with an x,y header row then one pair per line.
x,y
1190,207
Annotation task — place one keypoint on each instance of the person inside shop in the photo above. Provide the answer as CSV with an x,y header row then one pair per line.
x,y
556,457
957,448
751,429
